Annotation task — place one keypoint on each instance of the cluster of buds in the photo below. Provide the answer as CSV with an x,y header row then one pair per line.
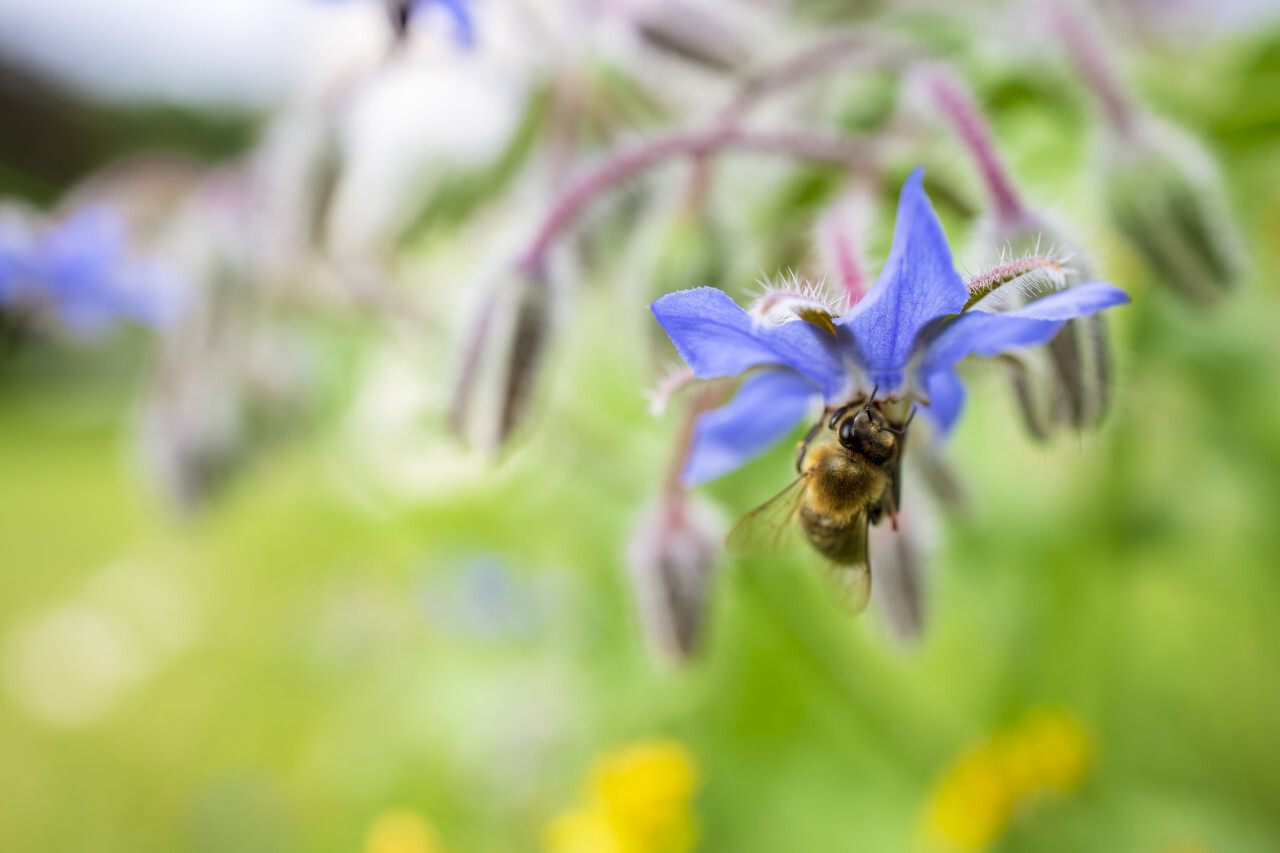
x,y
1066,382
1162,186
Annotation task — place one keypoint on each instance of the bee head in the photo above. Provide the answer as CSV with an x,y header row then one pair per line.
x,y
868,432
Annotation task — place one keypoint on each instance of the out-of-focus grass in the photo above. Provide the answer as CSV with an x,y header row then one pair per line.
x,y
320,646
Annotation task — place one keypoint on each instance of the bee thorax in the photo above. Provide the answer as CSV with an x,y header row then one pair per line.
x,y
843,484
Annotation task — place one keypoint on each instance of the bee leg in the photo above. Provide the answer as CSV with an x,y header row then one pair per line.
x,y
803,446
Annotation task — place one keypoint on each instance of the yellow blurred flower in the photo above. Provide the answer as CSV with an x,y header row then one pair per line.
x,y
1048,752
639,801
586,831
402,831
1058,748
973,802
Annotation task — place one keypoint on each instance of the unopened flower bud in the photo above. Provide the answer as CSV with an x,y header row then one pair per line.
x,y
222,392
670,558
502,358
899,554
1033,391
1165,195
1067,381
1077,368
692,31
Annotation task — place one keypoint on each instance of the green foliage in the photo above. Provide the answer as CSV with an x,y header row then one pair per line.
x,y
313,650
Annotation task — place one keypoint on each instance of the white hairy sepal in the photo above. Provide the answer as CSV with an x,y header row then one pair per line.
x,y
677,379
1015,281
796,299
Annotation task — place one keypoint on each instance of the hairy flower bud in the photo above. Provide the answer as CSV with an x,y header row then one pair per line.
x,y
899,588
1067,381
226,386
692,31
670,557
502,359
1165,195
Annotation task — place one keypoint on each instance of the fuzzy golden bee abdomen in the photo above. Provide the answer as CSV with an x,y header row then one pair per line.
x,y
841,540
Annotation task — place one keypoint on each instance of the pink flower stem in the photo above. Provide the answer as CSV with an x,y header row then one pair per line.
x,y
875,49
1087,55
847,48
842,229
707,398
971,128
622,166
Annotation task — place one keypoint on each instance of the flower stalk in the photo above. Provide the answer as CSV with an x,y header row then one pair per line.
x,y
841,234
853,47
959,111
1086,54
836,149
674,549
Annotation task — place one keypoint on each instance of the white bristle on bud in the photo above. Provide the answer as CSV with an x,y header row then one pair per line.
x,y
796,299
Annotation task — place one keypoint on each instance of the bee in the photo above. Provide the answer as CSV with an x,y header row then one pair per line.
x,y
848,480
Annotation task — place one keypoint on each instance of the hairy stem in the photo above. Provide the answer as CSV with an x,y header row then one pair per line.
x,y
999,276
710,396
971,129
1087,55
842,230
622,166
846,48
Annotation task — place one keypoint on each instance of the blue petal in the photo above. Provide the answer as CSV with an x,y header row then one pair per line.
x,y
717,338
464,27
1088,298
767,406
464,30
83,267
14,260
984,334
946,399
918,283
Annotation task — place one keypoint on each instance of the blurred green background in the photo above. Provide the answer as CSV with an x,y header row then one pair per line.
x,y
369,619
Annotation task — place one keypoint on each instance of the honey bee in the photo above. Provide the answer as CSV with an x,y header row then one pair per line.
x,y
848,480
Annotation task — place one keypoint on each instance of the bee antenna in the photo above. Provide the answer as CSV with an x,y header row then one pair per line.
x,y
872,398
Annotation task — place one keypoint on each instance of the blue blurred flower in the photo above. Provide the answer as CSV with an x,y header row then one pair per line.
x,y
905,338
83,272
464,29
11,261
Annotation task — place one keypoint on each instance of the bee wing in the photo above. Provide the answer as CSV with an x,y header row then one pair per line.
x,y
770,528
848,581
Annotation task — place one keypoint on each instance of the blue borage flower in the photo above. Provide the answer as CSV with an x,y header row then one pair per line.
x,y
464,28
83,271
904,338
